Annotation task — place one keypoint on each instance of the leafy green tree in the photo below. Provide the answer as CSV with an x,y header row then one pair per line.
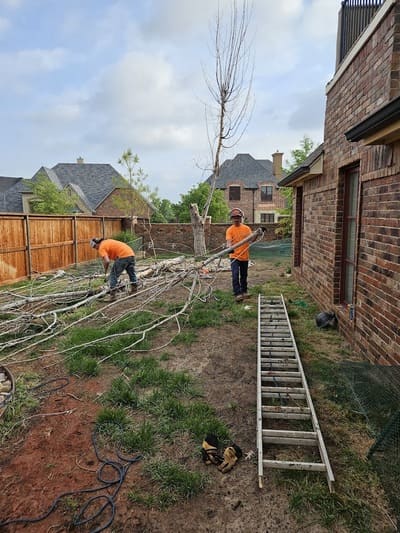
x,y
199,195
136,196
298,155
48,199
164,211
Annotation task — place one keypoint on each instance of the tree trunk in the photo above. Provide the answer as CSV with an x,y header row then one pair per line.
x,y
199,239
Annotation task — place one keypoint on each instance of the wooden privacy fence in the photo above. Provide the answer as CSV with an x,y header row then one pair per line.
x,y
31,244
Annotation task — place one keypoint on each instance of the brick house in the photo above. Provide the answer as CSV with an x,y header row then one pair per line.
x,y
95,186
346,245
252,185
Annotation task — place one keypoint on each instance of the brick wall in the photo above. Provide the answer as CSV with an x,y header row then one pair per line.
x,y
372,327
378,282
179,237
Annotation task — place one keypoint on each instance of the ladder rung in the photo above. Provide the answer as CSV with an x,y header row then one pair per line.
x,y
265,346
279,335
281,374
294,465
289,434
284,395
285,409
283,389
286,416
277,353
286,413
279,366
288,441
280,379
284,360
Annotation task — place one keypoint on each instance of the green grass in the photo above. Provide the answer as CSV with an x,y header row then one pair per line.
x,y
220,309
175,482
111,421
186,337
122,393
82,366
91,343
22,405
142,439
309,496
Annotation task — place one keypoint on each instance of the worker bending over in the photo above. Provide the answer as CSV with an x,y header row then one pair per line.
x,y
123,257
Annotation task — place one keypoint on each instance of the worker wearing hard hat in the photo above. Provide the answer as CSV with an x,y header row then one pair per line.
x,y
240,255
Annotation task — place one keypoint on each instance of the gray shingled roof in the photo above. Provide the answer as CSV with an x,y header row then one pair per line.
x,y
245,169
304,168
77,190
10,194
95,180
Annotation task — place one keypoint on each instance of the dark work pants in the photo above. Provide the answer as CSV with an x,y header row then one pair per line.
x,y
239,276
124,263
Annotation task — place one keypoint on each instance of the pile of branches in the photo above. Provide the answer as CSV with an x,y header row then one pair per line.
x,y
48,306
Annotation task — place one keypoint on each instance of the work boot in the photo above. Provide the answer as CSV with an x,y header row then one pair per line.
x,y
246,295
113,296
239,297
134,288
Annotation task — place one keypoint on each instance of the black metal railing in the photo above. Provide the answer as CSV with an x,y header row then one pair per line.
x,y
354,17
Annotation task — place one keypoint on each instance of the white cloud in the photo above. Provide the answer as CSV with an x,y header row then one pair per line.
x,y
320,20
142,95
178,19
56,115
19,65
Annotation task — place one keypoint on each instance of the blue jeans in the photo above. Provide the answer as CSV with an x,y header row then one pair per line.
x,y
239,276
124,263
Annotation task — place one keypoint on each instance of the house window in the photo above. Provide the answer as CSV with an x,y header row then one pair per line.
x,y
234,193
267,218
350,204
266,193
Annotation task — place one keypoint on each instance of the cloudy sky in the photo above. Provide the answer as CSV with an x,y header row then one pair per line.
x,y
92,78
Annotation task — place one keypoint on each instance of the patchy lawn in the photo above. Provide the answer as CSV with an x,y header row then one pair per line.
x,y
158,401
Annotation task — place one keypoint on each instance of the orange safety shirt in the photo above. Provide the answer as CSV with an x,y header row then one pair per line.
x,y
115,249
235,234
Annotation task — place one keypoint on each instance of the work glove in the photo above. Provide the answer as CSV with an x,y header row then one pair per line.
x,y
209,450
231,456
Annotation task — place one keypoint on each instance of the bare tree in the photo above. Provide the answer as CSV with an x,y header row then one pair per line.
x,y
230,91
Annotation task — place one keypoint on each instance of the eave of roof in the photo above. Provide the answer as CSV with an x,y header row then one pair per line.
x,y
304,169
385,116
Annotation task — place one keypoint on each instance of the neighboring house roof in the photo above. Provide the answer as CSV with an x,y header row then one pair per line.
x,y
10,194
305,167
78,191
377,121
93,182
246,169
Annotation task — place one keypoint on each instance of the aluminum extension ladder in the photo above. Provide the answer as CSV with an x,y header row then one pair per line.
x,y
287,425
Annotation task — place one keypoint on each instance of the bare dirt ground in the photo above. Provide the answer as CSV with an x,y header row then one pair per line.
x,y
55,453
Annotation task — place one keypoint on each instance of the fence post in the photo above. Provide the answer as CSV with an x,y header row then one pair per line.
x,y
28,247
75,238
